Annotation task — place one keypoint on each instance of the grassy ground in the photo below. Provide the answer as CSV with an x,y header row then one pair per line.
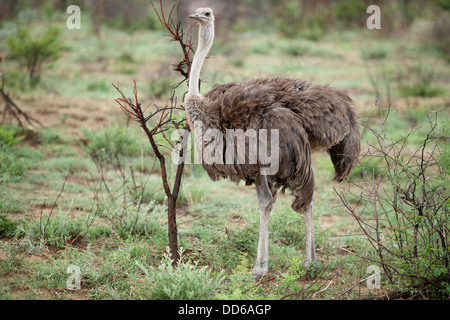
x,y
70,195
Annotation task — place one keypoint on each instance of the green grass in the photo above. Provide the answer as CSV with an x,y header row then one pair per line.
x,y
110,219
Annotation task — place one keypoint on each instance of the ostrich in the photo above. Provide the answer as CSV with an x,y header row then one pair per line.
x,y
307,117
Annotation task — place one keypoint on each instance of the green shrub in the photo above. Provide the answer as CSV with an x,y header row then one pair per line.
x,y
160,86
368,167
350,13
408,208
7,227
420,89
51,136
417,81
243,240
241,283
111,142
15,79
99,85
12,164
374,53
32,51
11,168
54,230
184,281
138,220
9,136
298,49
314,27
292,22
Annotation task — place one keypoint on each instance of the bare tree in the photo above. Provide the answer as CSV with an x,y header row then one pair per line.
x,y
401,205
163,120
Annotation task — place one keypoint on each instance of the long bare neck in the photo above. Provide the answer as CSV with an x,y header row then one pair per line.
x,y
205,41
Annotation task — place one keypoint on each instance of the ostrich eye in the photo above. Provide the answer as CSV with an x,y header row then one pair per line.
x,y
208,14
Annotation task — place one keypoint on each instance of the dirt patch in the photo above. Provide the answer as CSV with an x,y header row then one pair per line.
x,y
73,113
329,221
81,294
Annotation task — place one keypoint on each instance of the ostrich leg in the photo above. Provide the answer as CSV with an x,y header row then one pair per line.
x,y
310,248
265,201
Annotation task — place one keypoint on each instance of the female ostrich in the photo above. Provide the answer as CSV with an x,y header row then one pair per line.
x,y
307,116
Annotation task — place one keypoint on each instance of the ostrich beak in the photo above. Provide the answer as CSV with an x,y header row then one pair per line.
x,y
196,16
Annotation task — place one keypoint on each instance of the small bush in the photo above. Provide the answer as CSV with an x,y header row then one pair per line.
x,y
368,167
9,136
111,142
160,86
56,230
33,52
296,49
241,283
374,53
351,13
136,220
7,227
11,168
97,86
417,82
314,28
51,136
15,79
243,240
408,209
419,89
184,281
12,165
292,22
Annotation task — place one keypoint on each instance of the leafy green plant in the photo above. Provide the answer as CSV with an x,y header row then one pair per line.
x,y
241,283
10,168
51,136
243,240
32,52
12,165
290,280
136,220
111,142
7,226
111,279
9,136
184,281
53,230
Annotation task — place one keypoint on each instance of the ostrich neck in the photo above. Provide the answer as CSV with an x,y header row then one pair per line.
x,y
205,41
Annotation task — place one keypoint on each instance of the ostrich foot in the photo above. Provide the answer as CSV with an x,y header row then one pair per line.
x,y
260,269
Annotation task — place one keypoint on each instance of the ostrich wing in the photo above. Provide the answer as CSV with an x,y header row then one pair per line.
x,y
325,113
307,116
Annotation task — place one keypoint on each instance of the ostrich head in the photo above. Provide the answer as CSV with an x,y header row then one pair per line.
x,y
204,16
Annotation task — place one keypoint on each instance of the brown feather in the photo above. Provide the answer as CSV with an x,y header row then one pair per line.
x,y
308,116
